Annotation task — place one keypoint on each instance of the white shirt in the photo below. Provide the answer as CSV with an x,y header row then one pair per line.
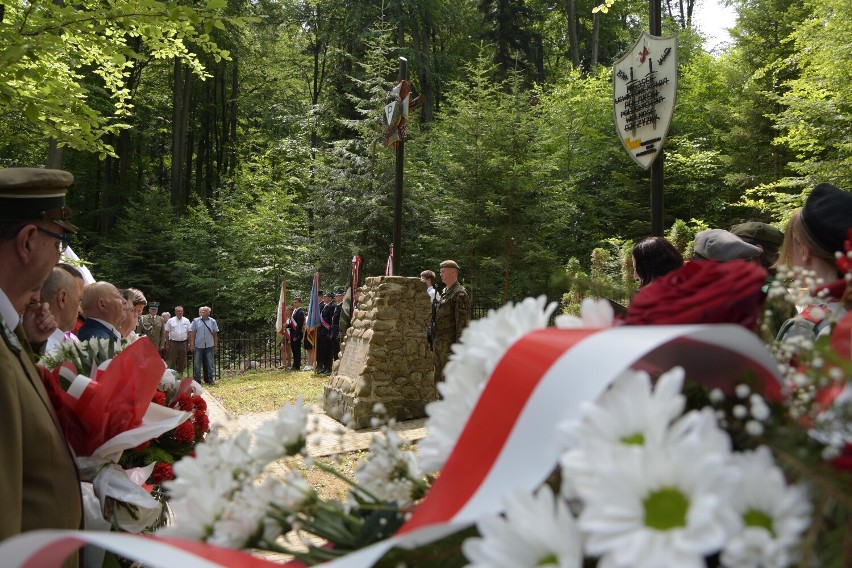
x,y
177,328
57,337
8,311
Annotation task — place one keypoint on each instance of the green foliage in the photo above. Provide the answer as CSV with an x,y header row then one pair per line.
x,y
64,68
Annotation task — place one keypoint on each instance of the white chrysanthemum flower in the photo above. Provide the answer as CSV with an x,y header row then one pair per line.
x,y
283,435
537,530
483,343
390,472
660,507
630,414
217,465
593,314
773,515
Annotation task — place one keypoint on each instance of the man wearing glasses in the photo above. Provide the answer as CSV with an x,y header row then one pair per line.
x,y
39,486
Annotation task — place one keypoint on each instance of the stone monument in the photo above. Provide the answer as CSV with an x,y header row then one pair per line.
x,y
386,357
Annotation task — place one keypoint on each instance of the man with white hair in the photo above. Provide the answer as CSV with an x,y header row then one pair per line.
x,y
204,342
62,291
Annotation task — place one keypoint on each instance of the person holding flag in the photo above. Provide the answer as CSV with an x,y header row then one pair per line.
x,y
282,329
312,323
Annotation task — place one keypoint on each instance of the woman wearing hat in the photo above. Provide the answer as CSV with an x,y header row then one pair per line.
x,y
813,235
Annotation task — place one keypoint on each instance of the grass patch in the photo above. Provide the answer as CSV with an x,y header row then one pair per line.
x,y
264,391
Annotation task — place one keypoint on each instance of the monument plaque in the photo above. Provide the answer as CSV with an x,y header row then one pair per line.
x,y
644,88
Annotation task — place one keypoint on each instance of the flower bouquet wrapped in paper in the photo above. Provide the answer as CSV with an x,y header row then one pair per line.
x,y
164,450
101,392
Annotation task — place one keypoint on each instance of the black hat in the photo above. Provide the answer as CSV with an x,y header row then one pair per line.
x,y
35,194
719,244
765,235
329,293
339,292
827,216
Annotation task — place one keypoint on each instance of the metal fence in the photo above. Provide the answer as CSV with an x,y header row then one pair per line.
x,y
244,352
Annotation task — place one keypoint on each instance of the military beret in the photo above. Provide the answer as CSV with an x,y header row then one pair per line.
x,y
827,216
329,293
719,244
35,194
765,235
153,304
450,264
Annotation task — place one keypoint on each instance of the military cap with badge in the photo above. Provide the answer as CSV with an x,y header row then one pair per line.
x,y
35,194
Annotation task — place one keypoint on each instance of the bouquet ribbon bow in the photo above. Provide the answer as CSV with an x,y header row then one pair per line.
x,y
509,441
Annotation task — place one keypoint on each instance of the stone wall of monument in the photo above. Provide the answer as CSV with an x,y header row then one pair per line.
x,y
386,356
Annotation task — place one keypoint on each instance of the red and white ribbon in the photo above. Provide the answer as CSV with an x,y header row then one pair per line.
x,y
510,440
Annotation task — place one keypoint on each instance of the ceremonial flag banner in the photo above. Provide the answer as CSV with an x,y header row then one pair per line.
x,y
280,319
313,321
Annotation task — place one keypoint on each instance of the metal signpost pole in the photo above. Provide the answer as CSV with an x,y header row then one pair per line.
x,y
656,26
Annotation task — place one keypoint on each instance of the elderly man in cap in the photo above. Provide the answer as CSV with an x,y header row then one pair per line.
x,y
451,316
765,236
151,326
39,486
722,246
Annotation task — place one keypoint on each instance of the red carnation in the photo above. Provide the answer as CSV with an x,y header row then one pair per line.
x,y
200,403
202,423
159,398
185,402
185,432
162,472
702,291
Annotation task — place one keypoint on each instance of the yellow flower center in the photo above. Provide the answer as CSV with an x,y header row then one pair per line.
x,y
665,509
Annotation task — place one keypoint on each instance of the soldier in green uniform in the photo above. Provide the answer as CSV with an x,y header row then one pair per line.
x,y
451,316
151,326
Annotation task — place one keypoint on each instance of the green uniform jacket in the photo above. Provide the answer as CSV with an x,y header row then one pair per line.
x,y
453,314
152,328
39,487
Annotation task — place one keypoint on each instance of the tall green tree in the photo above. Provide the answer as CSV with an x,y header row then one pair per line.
x,y
55,58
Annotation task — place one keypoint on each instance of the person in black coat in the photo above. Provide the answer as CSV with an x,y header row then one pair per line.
x,y
335,324
324,335
297,330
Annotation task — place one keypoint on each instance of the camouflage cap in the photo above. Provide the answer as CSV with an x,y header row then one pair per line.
x,y
35,194
759,233
450,264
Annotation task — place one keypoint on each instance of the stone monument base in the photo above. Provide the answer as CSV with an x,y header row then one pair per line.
x,y
386,358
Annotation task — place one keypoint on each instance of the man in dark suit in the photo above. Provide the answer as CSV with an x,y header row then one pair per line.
x,y
297,329
39,486
104,308
335,323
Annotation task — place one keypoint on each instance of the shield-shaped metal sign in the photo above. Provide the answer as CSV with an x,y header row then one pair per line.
x,y
644,86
